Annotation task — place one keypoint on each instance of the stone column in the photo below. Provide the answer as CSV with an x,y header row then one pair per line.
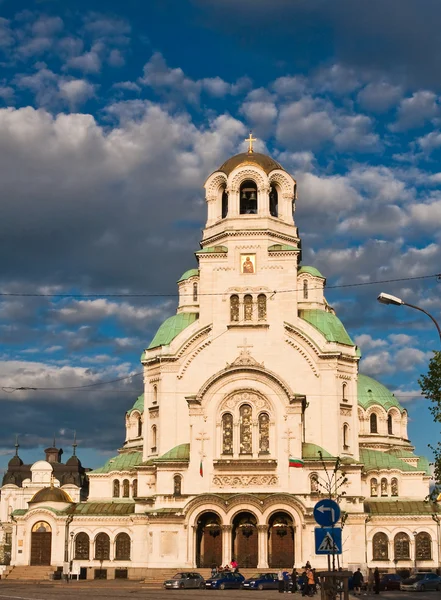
x,y
226,544
255,438
262,532
191,556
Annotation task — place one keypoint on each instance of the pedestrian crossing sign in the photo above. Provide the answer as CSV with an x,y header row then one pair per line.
x,y
328,540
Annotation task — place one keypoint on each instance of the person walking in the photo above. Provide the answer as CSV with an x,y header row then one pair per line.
x,y
357,580
376,581
294,580
281,581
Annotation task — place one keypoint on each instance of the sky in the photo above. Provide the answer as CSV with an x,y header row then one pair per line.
x,y
112,115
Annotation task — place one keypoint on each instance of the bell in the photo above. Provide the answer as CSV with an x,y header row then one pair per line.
x,y
244,196
253,196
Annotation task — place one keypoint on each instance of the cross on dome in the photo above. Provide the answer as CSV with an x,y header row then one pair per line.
x,y
250,140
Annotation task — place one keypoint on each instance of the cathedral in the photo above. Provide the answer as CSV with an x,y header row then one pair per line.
x,y
251,392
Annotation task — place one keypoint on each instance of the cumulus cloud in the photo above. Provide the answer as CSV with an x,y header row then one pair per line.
x,y
76,91
415,111
379,97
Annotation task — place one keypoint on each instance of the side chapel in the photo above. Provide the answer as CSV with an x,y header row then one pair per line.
x,y
254,369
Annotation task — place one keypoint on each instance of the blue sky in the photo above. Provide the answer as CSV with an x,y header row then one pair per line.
x,y
112,114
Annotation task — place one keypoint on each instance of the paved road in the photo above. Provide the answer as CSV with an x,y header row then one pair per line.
x,y
113,590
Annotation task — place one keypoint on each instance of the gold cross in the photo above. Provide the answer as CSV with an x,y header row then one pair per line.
x,y
250,140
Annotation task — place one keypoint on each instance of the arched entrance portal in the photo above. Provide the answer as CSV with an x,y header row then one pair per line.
x,y
208,540
281,540
41,544
245,540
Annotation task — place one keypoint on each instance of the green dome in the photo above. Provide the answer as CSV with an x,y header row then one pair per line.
x,y
188,274
139,405
328,324
372,392
311,270
171,328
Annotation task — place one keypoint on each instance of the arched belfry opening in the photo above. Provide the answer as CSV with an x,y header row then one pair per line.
x,y
245,548
273,201
280,540
224,203
248,198
208,540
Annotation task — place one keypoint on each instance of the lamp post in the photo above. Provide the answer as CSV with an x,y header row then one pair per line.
x,y
414,533
389,299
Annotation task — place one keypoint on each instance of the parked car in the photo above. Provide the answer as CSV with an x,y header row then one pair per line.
x,y
184,580
421,582
261,581
390,581
224,581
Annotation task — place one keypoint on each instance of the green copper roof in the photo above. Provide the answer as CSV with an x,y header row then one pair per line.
x,y
374,460
311,270
328,324
139,405
311,452
188,274
122,462
171,328
178,453
282,247
401,453
400,507
103,508
424,465
213,250
371,392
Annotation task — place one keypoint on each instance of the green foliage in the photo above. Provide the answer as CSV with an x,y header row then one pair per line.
x,y
431,388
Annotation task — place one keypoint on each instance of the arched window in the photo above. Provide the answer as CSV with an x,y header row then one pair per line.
x,y
82,544
234,308
261,307
274,202
246,442
135,488
122,546
177,485
423,546
373,422
227,433
374,487
116,488
248,307
195,292
389,425
264,423
313,482
380,547
155,394
394,486
383,486
343,392
224,204
154,438
248,198
126,488
102,547
345,436
401,546
305,290
139,426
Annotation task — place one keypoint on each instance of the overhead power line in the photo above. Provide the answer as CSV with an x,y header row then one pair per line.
x,y
175,294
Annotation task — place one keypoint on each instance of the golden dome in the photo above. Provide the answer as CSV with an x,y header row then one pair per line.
x,y
267,163
50,494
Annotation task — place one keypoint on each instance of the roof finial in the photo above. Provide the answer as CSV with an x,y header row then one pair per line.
x,y
52,481
250,140
53,445
17,445
74,445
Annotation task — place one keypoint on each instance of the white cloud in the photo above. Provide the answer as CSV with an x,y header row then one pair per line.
x,y
338,79
87,311
430,142
304,124
76,91
367,342
379,97
89,62
115,58
416,110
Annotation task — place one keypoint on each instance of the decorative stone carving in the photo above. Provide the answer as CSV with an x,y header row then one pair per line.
x,y
245,359
249,396
236,481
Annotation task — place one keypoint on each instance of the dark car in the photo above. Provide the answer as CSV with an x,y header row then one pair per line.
x,y
390,581
224,581
184,580
261,581
421,582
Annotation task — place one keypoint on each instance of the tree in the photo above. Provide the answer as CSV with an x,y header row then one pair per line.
x,y
431,388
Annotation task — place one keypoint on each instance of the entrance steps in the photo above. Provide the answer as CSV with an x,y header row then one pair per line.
x,y
29,573
156,577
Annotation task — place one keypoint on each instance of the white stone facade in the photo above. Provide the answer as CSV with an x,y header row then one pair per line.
x,y
255,368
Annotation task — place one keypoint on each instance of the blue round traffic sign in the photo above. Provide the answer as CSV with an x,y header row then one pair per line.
x,y
326,512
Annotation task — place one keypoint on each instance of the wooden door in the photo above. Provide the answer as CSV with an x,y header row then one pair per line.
x,y
245,548
41,543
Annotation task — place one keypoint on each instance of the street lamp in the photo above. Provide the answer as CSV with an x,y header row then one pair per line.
x,y
414,533
389,299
